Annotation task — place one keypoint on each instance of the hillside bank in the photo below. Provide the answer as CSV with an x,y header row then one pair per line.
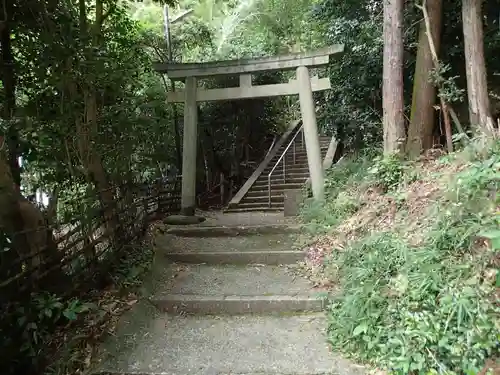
x,y
410,253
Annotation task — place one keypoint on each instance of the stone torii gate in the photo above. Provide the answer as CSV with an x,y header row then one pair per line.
x,y
303,85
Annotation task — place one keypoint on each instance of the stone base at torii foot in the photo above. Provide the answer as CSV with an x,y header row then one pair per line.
x,y
303,85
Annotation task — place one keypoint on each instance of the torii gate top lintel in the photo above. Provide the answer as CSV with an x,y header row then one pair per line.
x,y
303,85
180,71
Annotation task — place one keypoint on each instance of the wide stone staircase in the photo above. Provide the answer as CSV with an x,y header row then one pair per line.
x,y
287,170
224,300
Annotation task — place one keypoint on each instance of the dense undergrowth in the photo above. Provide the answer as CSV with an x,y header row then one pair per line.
x,y
415,254
60,336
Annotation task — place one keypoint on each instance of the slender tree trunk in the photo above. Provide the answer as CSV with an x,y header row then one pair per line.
x,y
51,213
21,220
7,75
10,218
424,92
88,128
9,83
477,88
14,154
392,87
177,132
11,221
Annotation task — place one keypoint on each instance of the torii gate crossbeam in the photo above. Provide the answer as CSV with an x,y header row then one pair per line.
x,y
303,85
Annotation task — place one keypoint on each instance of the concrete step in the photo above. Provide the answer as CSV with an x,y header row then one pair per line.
x,y
264,198
278,206
324,142
233,290
276,191
268,257
278,241
236,210
297,173
261,249
278,173
299,161
299,158
299,153
278,179
276,186
193,345
236,304
299,147
213,231
289,168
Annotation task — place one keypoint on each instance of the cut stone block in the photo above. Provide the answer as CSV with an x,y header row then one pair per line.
x,y
292,202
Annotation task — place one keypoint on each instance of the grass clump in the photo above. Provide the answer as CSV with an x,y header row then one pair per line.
x,y
412,310
388,171
430,307
342,189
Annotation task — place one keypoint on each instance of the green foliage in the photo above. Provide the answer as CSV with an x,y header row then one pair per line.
x,y
448,88
387,171
36,321
134,135
352,108
431,308
128,275
341,193
134,264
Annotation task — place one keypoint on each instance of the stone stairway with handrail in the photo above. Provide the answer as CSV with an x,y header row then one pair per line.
x,y
287,170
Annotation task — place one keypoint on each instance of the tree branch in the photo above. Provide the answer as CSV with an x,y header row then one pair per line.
x,y
112,7
435,60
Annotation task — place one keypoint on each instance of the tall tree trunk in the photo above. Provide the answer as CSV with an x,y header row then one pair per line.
x,y
10,219
9,84
20,220
14,154
177,132
392,86
88,127
477,88
424,92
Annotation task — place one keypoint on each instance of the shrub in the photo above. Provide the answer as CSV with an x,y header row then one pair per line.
x,y
388,171
428,309
342,187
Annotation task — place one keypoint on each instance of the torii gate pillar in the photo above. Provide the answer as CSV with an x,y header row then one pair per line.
x,y
307,110
189,147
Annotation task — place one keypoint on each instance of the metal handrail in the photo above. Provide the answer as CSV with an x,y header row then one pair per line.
x,y
301,130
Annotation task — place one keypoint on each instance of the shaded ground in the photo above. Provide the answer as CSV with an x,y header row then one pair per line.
x,y
228,345
217,218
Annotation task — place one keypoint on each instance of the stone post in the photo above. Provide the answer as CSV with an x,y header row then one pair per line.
x,y
189,147
307,109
